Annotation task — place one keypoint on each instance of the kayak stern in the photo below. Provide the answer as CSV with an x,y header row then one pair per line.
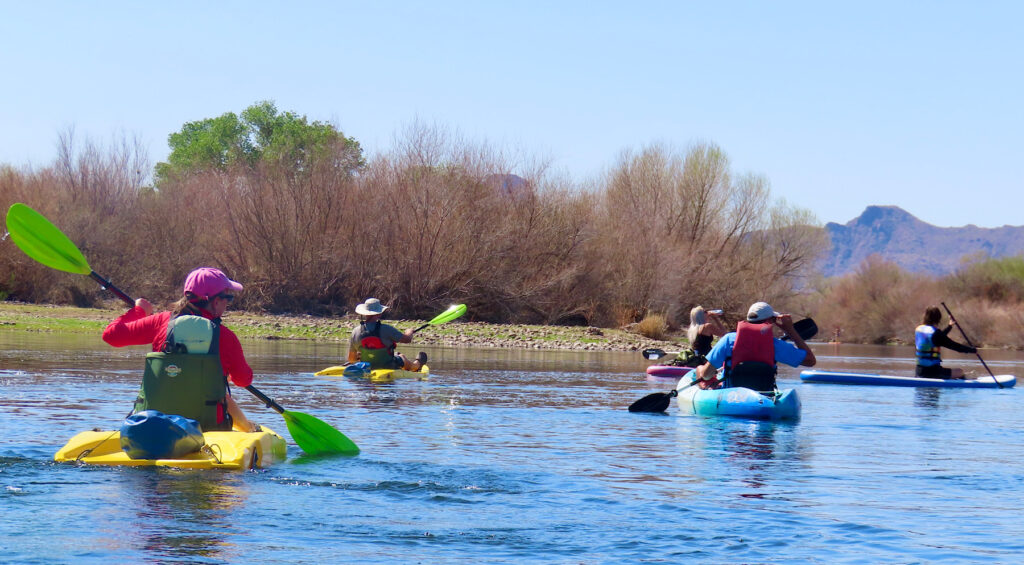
x,y
223,450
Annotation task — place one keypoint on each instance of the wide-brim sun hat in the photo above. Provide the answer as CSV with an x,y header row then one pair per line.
x,y
761,311
372,307
207,282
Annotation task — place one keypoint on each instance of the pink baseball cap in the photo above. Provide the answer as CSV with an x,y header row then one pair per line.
x,y
207,282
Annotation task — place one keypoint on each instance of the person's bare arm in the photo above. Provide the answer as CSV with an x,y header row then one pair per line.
x,y
785,322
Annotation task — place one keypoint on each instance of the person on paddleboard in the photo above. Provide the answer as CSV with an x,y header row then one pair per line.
x,y
374,341
928,339
705,326
750,354
193,356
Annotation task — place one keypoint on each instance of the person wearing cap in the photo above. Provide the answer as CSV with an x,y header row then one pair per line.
x,y
374,341
750,354
928,339
193,355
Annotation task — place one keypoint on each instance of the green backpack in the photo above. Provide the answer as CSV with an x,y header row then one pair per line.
x,y
186,378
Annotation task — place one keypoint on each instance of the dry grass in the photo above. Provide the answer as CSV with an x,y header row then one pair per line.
x,y
653,326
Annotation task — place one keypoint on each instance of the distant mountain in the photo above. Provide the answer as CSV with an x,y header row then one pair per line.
x,y
897,236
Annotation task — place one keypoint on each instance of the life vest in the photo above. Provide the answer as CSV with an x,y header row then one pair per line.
x,y
927,352
187,378
752,363
372,349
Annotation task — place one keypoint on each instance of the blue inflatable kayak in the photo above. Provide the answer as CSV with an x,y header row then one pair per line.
x,y
738,402
835,377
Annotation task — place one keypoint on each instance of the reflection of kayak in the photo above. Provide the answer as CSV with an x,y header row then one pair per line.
x,y
223,450
738,401
363,371
1006,381
668,371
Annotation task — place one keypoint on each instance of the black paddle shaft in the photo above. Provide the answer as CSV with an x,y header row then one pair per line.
x,y
968,340
107,285
266,399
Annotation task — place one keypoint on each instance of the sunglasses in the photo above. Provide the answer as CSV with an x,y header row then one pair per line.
x,y
228,297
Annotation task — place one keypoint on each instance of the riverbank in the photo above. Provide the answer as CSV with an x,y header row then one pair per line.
x,y
248,325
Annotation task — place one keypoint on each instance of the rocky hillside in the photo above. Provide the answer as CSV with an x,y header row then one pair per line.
x,y
897,236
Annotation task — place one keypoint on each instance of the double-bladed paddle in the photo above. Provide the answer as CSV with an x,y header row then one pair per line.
x,y
968,340
453,311
659,401
42,241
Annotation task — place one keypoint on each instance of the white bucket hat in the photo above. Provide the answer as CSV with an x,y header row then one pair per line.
x,y
372,307
761,311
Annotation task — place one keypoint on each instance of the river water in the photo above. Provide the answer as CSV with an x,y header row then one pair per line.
x,y
521,456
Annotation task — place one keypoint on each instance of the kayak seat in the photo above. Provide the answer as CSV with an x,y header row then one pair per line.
x,y
754,375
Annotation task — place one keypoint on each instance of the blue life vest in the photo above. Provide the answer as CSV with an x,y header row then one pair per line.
x,y
927,351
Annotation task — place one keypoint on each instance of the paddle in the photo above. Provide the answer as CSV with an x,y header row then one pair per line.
x,y
453,311
807,329
968,340
42,241
659,401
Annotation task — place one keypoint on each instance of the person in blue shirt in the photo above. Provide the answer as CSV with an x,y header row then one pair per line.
x,y
751,353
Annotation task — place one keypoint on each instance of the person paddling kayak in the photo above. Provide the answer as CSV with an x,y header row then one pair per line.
x,y
193,353
928,339
749,355
374,341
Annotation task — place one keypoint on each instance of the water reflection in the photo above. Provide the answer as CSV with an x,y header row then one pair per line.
x,y
927,397
753,451
179,514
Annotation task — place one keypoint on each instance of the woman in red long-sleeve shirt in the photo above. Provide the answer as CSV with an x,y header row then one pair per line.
x,y
207,293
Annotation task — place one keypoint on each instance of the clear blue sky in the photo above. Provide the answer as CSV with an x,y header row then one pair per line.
x,y
841,106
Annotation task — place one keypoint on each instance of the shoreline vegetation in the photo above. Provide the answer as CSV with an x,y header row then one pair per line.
x,y
23,317
295,211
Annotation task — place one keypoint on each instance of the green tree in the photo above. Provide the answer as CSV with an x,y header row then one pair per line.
x,y
261,134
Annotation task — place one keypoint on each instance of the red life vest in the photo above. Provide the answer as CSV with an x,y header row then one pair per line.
x,y
754,342
371,339
373,351
752,363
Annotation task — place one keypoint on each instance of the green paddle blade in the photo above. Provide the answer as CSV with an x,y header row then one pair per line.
x,y
42,241
453,311
317,437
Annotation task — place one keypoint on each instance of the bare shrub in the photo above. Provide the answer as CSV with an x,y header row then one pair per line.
x,y
444,230
653,326
676,231
90,193
879,303
436,220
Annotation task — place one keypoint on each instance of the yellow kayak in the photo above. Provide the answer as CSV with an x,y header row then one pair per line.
x,y
359,371
223,450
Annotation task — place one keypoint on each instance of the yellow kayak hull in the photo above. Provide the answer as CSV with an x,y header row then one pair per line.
x,y
377,376
223,450
388,375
